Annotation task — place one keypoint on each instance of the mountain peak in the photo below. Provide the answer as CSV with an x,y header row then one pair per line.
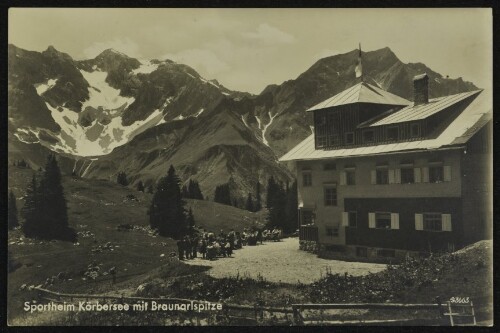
x,y
112,53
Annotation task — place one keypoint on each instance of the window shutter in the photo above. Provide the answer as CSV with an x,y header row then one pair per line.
x,y
447,173
374,176
446,221
394,221
391,176
398,176
345,219
425,174
419,222
342,178
371,220
417,175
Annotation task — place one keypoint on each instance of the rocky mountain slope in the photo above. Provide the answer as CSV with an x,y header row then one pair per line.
x,y
116,113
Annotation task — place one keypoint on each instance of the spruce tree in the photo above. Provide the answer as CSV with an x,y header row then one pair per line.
x,y
45,212
12,212
53,203
30,211
249,205
167,213
121,178
292,208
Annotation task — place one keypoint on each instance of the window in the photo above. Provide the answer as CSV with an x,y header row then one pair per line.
x,y
350,177
306,178
307,217
352,219
330,166
349,138
383,220
436,174
368,136
386,253
392,133
382,176
332,231
433,222
407,175
415,130
330,196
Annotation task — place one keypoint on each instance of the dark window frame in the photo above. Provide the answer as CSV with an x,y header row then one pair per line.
x,y
330,200
302,215
332,231
409,172
387,133
432,221
436,173
414,134
378,217
382,175
307,183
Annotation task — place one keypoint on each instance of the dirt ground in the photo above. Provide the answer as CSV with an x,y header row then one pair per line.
x,y
281,262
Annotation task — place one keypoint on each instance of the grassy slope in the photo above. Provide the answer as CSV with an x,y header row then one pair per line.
x,y
99,207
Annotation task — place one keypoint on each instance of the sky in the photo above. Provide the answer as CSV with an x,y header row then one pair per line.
x,y
248,49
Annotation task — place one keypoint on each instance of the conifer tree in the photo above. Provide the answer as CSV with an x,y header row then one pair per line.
x,y
249,205
12,212
30,210
167,213
45,211
150,189
121,178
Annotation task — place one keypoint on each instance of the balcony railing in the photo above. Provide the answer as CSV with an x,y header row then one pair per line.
x,y
308,232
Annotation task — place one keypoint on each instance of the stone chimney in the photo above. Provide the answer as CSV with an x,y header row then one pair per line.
x,y
420,89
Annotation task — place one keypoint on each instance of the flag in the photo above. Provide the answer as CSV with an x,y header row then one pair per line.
x,y
359,67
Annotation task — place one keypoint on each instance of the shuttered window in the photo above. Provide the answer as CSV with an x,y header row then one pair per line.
x,y
371,220
349,219
417,174
394,221
343,177
433,222
419,222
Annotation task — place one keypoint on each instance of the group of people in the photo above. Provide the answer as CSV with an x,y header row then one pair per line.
x,y
211,246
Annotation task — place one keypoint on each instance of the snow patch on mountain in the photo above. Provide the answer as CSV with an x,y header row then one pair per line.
x,y
97,139
101,94
271,118
43,87
199,112
146,67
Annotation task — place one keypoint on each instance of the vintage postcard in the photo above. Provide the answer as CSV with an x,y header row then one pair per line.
x,y
214,167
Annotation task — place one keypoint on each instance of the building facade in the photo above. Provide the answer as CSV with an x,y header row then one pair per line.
x,y
383,177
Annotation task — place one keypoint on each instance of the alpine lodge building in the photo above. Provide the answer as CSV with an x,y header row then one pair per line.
x,y
385,177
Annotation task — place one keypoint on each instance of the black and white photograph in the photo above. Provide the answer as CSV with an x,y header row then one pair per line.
x,y
249,167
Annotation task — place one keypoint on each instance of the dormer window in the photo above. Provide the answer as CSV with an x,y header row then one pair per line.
x,y
392,133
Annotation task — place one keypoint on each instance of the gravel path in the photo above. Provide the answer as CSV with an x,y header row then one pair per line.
x,y
281,262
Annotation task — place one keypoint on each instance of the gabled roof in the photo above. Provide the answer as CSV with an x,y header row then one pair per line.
x,y
461,129
422,111
361,93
